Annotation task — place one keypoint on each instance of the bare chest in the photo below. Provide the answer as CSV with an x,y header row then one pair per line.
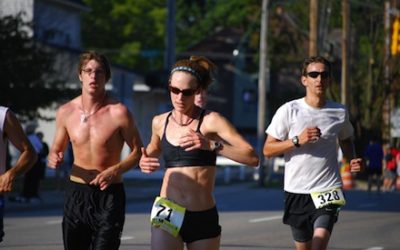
x,y
99,129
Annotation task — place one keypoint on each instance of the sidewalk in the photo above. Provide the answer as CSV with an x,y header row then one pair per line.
x,y
138,187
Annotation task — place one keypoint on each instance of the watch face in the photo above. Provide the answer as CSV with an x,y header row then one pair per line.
x,y
295,141
217,146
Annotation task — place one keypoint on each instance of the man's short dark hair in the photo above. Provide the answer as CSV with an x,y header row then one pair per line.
x,y
315,59
93,55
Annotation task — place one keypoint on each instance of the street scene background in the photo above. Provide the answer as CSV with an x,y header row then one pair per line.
x,y
41,41
250,216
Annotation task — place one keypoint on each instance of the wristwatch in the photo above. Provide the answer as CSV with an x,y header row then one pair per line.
x,y
217,146
295,141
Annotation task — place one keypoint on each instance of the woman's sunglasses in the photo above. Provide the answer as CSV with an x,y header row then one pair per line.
x,y
185,92
315,74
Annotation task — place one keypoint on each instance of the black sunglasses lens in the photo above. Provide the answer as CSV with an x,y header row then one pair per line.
x,y
315,74
185,92
324,75
174,90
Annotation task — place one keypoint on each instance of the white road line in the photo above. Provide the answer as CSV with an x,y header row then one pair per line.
x,y
374,248
277,217
52,222
127,237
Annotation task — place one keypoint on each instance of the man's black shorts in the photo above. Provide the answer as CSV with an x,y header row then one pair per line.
x,y
93,219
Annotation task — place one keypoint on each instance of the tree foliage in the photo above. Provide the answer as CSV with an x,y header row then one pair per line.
x,y
129,32
127,29
26,69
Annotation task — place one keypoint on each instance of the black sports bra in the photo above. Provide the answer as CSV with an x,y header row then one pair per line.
x,y
176,156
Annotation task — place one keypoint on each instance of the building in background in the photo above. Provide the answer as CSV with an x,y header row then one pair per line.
x,y
57,25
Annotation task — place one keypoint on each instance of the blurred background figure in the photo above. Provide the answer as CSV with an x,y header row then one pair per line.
x,y
373,155
398,171
389,170
32,178
42,160
201,99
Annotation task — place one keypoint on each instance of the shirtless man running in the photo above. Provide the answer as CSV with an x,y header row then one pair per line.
x,y
97,127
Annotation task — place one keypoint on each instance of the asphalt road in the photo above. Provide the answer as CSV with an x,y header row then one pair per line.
x,y
250,218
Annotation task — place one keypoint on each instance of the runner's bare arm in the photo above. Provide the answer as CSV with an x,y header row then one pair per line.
x,y
60,141
27,158
349,153
149,161
235,146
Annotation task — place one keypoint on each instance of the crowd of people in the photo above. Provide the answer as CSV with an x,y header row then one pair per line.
x,y
382,166
92,129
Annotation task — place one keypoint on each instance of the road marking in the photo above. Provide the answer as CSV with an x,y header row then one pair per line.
x,y
374,248
127,237
52,222
276,217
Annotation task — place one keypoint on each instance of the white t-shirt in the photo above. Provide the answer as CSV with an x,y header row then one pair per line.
x,y
313,166
3,143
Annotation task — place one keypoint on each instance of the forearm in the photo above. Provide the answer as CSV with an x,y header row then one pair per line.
x,y
25,161
276,148
245,155
128,163
348,149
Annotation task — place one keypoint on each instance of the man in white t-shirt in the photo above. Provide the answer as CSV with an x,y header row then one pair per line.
x,y
307,131
11,130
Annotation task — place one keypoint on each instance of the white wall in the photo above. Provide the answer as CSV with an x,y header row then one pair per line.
x,y
13,7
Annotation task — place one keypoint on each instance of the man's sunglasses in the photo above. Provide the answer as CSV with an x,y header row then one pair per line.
x,y
185,92
315,74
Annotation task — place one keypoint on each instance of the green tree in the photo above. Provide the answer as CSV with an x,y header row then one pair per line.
x,y
130,29
26,69
130,32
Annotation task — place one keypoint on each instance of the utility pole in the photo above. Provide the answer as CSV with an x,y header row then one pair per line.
x,y
169,58
263,77
313,49
386,104
345,52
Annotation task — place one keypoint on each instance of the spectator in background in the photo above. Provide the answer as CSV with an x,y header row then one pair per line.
x,y
398,171
373,155
32,178
389,171
201,98
42,159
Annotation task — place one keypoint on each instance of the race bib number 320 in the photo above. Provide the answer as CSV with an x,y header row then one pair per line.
x,y
333,196
167,215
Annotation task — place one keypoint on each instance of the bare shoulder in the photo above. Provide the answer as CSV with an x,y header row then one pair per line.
x,y
68,108
158,124
118,109
159,120
119,113
211,117
215,122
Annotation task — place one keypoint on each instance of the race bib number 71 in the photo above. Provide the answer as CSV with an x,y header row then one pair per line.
x,y
167,215
333,196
